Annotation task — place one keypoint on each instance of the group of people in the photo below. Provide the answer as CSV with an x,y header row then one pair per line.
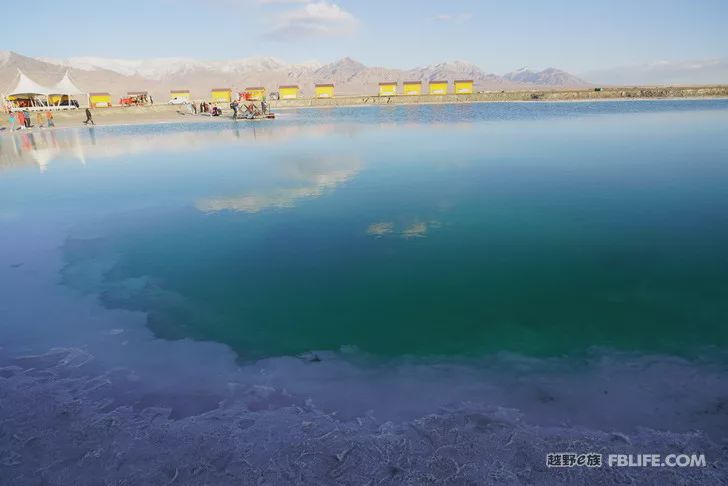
x,y
22,119
205,108
251,109
239,108
208,108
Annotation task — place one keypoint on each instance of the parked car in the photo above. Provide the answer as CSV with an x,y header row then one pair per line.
x,y
178,101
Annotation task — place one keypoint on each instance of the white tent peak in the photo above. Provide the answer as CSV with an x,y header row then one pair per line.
x,y
66,86
25,85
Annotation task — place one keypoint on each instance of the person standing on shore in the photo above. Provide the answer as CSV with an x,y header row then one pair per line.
x,y
88,118
194,108
21,119
39,119
26,118
49,118
11,120
234,105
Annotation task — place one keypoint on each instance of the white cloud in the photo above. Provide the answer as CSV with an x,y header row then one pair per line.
x,y
456,18
314,19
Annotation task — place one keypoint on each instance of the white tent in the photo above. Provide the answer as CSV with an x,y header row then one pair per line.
x,y
66,87
26,86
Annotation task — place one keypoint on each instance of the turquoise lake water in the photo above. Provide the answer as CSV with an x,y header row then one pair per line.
x,y
542,229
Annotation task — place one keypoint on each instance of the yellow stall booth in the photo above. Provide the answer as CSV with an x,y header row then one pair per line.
x,y
99,100
412,88
464,86
179,96
387,89
324,90
289,92
221,95
438,87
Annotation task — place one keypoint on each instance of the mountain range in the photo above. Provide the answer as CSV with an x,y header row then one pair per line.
x,y
159,76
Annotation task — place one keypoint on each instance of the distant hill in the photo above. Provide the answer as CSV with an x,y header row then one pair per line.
x,y
158,76
547,77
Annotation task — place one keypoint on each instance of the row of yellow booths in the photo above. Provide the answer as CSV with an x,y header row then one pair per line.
x,y
409,88
325,90
292,92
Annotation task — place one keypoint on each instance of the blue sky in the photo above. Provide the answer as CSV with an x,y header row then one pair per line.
x,y
497,35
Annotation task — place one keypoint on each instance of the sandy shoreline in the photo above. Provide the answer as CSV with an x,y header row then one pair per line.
x,y
117,116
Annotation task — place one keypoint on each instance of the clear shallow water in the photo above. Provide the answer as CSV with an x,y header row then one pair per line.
x,y
541,229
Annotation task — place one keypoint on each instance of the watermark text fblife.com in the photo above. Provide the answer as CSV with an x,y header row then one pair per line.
x,y
593,459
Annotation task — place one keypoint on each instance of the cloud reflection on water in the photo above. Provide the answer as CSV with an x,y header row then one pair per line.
x,y
318,175
415,229
380,229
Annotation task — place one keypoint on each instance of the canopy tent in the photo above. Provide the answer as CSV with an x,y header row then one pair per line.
x,y
26,88
65,87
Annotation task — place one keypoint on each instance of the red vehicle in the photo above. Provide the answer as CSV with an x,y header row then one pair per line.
x,y
137,100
